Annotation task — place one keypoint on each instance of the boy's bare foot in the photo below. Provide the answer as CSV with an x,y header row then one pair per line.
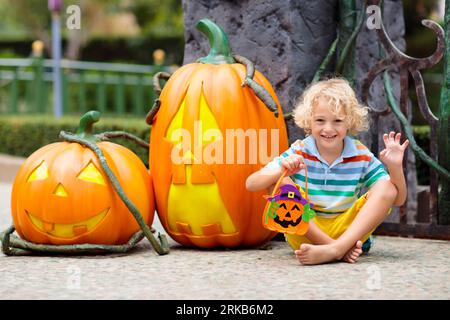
x,y
353,254
316,254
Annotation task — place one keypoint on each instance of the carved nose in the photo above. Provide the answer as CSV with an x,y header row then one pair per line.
x,y
60,191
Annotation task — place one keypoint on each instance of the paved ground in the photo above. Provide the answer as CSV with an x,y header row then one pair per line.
x,y
396,268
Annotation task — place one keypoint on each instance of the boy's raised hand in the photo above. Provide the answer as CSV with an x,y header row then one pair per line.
x,y
392,155
293,164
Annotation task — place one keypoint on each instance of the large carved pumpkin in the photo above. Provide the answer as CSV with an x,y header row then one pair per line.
x,y
198,172
61,195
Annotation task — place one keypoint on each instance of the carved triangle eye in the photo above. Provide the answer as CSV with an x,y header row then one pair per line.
x,y
206,124
174,134
40,173
91,174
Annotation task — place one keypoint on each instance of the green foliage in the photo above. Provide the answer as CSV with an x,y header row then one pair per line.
x,y
158,18
134,50
422,136
22,17
8,53
22,135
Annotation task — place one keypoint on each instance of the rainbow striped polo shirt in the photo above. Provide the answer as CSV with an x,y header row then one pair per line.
x,y
334,188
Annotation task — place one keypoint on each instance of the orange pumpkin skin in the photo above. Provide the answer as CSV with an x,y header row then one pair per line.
x,y
79,200
233,107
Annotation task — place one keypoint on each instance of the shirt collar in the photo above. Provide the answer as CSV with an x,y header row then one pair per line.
x,y
350,149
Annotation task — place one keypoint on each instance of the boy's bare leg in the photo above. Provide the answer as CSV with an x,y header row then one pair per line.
x,y
380,199
318,237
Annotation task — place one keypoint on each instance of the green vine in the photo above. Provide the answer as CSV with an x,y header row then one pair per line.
x,y
104,136
325,62
349,45
257,89
13,245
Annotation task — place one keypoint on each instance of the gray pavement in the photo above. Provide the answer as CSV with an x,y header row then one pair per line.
x,y
396,268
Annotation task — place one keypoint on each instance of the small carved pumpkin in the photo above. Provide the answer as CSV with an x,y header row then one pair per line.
x,y
61,195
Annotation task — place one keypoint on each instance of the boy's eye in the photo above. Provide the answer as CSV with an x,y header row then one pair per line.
x,y
339,120
319,120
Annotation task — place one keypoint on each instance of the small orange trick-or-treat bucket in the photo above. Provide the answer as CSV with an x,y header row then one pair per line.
x,y
287,211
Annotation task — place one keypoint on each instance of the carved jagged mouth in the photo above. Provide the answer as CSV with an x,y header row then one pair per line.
x,y
67,230
287,223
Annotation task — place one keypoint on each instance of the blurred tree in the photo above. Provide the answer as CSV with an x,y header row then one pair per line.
x,y
157,18
34,18
420,40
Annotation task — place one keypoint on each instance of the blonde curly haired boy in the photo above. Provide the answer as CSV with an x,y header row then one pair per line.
x,y
339,168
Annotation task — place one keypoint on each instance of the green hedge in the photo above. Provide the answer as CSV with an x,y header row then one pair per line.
x,y
22,135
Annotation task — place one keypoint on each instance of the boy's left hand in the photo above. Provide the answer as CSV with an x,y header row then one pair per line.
x,y
392,155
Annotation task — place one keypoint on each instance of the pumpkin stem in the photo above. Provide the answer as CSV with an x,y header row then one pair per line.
x,y
220,51
86,124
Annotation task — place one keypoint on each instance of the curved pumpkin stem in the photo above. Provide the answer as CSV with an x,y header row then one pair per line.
x,y
156,80
157,88
86,125
220,51
258,89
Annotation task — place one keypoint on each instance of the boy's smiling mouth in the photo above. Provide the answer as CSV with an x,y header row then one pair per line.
x,y
328,137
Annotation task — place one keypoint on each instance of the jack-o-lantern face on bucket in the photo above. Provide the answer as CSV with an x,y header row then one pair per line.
x,y
62,196
287,211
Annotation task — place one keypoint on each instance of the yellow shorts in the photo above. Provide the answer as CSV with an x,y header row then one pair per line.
x,y
334,226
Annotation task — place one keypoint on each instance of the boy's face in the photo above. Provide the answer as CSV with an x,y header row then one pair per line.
x,y
328,129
